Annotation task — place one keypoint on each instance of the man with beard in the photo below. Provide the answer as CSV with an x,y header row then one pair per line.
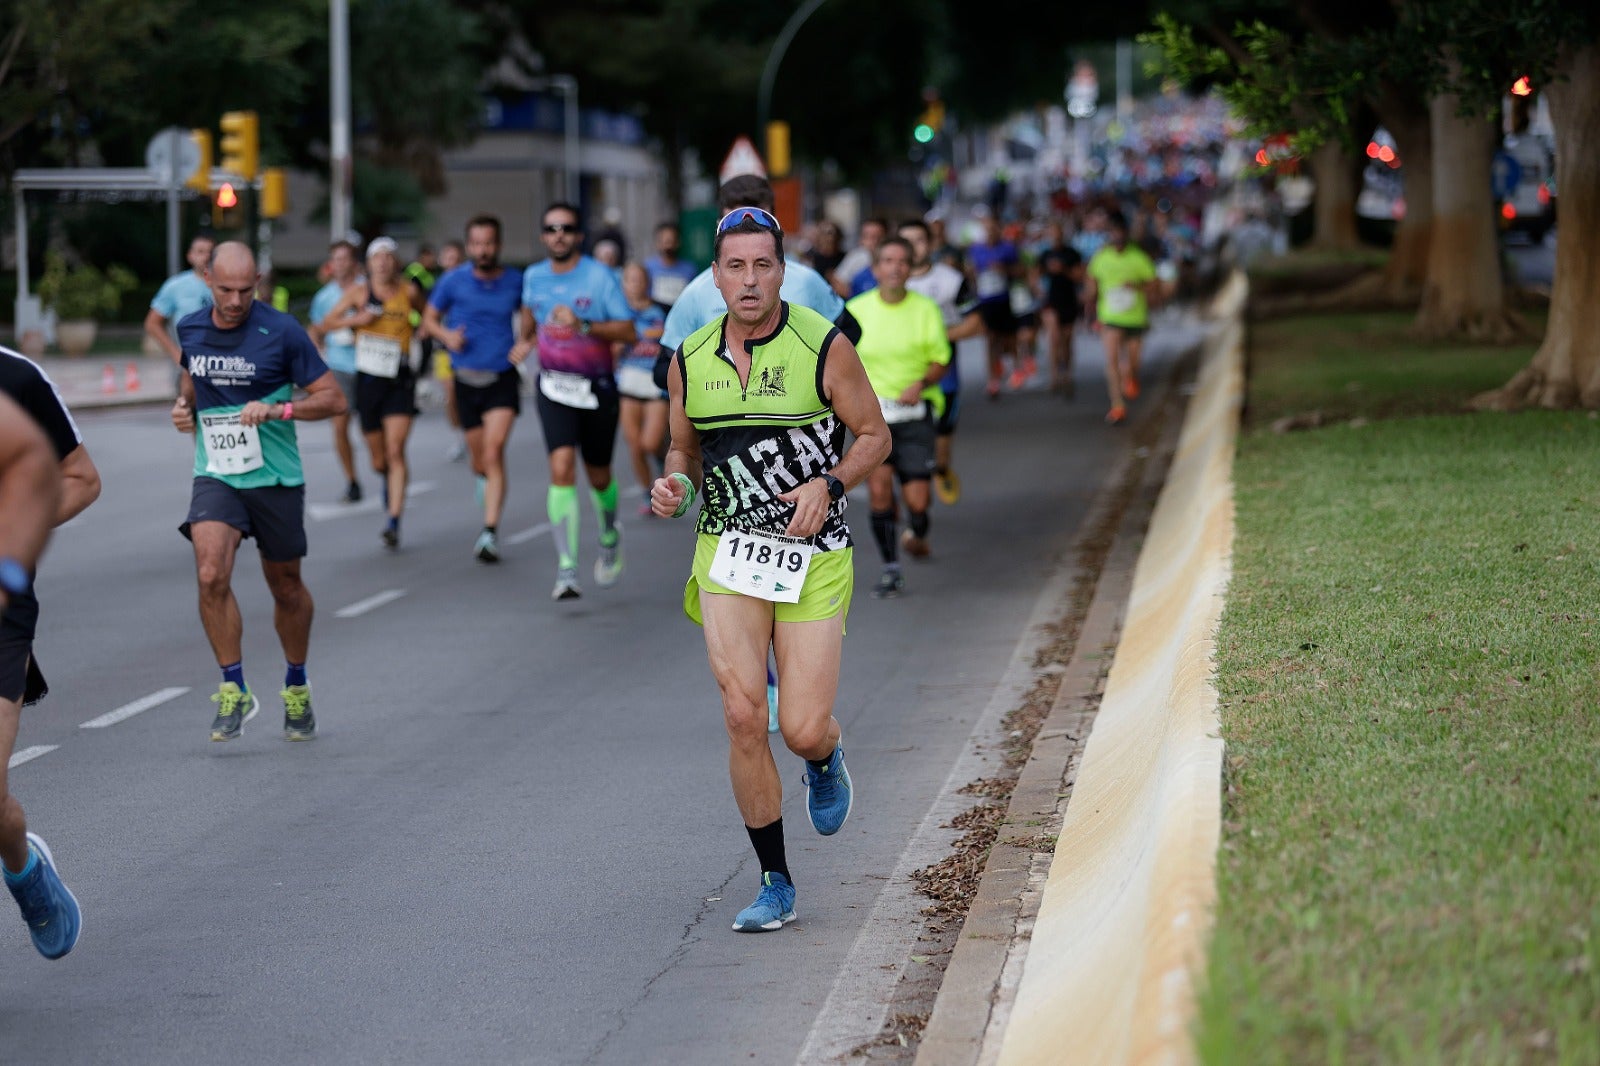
x,y
573,311
471,312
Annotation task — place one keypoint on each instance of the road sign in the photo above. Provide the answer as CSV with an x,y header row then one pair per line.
x,y
172,143
1506,173
742,159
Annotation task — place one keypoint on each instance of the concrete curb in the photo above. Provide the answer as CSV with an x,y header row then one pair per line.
x,y
1119,945
980,984
1101,967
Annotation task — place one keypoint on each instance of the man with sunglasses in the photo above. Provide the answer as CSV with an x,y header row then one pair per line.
x,y
760,400
573,311
479,304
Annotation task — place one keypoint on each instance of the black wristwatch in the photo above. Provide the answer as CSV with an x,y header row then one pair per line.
x,y
14,578
835,487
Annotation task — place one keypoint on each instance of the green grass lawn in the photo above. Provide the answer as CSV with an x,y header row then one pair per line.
x,y
1410,869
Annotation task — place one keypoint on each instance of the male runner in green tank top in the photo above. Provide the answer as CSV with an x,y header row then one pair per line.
x,y
760,400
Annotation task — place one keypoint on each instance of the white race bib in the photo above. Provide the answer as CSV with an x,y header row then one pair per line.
x,y
665,288
568,390
1121,300
637,382
991,283
895,412
762,565
231,446
1021,299
378,356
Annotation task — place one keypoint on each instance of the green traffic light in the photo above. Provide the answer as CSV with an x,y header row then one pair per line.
x,y
923,133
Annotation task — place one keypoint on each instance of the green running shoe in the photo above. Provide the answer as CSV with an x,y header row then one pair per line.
x,y
298,721
235,707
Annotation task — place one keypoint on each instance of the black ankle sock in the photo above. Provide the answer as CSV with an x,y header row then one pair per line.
x,y
919,523
884,528
768,842
492,530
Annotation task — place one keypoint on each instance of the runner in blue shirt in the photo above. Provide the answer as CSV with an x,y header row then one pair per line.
x,y
472,312
180,296
242,362
573,310
668,274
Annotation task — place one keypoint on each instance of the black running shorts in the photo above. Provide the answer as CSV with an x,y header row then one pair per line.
x,y
378,398
593,433
473,400
911,451
275,516
20,678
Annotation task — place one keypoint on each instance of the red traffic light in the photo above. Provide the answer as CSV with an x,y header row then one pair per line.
x,y
1522,87
226,197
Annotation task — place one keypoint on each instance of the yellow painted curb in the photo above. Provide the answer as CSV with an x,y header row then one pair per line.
x,y
1119,945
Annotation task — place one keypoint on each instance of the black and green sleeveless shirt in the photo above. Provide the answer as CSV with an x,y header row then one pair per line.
x,y
769,436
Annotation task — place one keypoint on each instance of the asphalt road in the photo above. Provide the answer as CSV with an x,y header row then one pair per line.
x,y
514,839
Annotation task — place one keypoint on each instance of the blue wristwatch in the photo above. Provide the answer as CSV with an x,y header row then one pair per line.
x,y
14,577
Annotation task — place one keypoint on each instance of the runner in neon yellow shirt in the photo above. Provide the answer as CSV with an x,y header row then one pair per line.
x,y
905,352
1121,281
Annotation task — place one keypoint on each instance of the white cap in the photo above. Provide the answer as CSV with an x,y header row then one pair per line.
x,y
383,244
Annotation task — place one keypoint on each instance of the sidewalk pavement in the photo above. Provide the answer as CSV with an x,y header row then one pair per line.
x,y
110,380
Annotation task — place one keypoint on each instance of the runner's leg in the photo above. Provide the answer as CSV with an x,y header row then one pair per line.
x,y
13,824
809,654
491,454
291,607
738,632
215,546
396,432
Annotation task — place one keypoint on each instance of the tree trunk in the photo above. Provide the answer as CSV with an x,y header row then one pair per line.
x,y
1565,371
1334,221
1407,121
1464,296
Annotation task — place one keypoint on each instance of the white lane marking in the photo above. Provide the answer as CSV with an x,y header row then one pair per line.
x,y
371,603
322,512
139,706
528,534
29,754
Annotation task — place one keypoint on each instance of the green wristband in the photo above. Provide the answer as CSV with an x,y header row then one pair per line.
x,y
688,493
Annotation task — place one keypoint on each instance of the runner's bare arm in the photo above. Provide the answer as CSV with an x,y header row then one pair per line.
x,y
971,325
846,389
155,327
683,455
30,486
80,484
433,326
617,331
324,399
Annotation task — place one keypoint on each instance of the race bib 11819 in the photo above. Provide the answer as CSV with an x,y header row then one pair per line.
x,y
762,565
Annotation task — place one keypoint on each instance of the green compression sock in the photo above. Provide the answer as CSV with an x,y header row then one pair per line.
x,y
562,506
605,510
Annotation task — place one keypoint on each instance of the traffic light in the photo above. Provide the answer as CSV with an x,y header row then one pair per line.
x,y
929,123
223,206
777,149
241,146
274,192
200,180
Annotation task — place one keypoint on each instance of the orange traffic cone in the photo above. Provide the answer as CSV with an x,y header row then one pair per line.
x,y
130,377
108,380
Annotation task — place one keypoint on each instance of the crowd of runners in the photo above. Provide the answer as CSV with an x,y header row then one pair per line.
x,y
764,388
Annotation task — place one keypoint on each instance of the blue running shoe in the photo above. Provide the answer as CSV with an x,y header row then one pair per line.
x,y
773,908
772,701
828,795
49,907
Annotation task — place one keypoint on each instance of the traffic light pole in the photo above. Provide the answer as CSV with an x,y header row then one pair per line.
x,y
769,73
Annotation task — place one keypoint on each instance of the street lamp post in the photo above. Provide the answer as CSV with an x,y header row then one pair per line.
x,y
339,183
769,73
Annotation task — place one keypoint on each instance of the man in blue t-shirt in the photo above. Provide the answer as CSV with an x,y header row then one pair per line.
x,y
994,265
180,296
668,273
242,361
574,311
472,312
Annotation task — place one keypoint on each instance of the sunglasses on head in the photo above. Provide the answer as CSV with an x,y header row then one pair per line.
x,y
754,214
560,227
